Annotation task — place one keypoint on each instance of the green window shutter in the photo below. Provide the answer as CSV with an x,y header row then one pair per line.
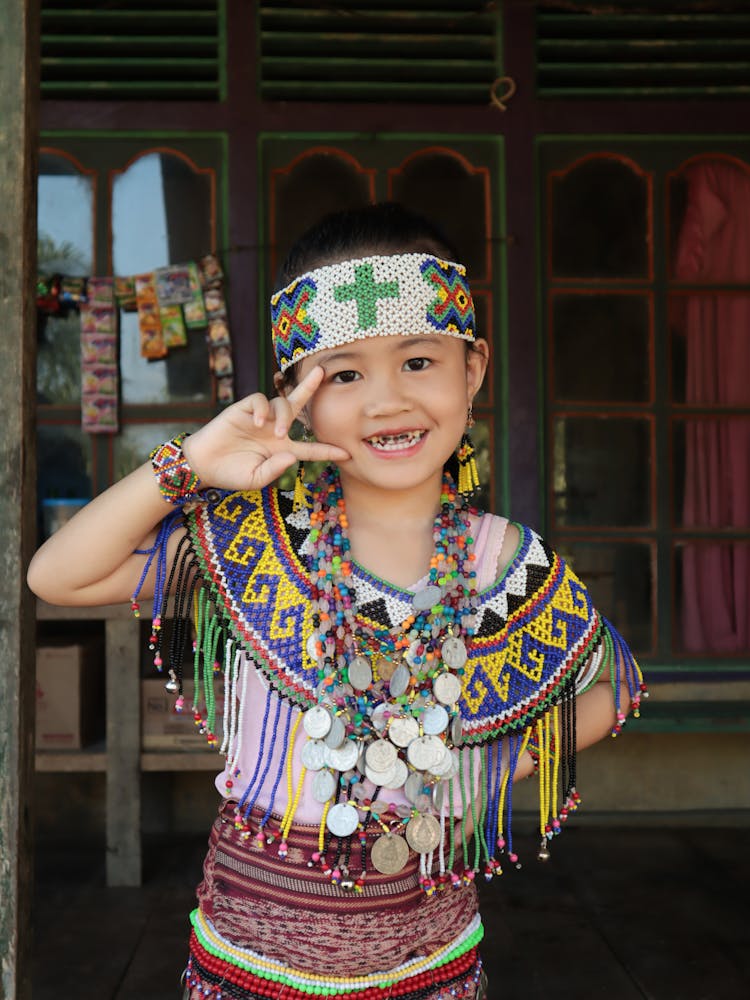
x,y
132,50
394,50
677,51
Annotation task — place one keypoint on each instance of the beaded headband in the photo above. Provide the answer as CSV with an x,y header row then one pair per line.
x,y
378,296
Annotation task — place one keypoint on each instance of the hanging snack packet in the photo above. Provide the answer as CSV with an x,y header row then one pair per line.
x,y
194,310
149,321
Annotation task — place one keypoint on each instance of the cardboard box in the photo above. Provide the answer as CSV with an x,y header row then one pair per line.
x,y
69,695
164,729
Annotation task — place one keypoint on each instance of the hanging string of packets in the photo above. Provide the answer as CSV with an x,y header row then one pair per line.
x,y
170,302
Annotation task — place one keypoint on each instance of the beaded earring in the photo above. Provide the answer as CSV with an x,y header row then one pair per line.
x,y
300,490
468,474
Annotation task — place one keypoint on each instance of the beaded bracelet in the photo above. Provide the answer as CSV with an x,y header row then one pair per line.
x,y
177,482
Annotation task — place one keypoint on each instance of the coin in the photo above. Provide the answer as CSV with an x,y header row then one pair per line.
x,y
441,768
311,646
342,819
313,754
438,795
343,758
426,598
399,680
336,734
402,730
378,716
317,721
384,668
360,673
380,755
389,854
396,775
453,652
457,730
413,786
324,785
434,720
423,833
453,769
447,689
425,751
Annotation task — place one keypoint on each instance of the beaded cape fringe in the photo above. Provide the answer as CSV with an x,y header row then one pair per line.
x,y
240,583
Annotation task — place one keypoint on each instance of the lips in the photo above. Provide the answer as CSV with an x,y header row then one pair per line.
x,y
401,441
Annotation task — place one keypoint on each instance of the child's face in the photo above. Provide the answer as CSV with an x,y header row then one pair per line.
x,y
397,404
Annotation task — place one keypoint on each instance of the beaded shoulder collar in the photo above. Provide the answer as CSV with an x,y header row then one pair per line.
x,y
535,628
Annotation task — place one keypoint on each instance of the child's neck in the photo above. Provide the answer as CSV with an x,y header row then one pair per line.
x,y
391,532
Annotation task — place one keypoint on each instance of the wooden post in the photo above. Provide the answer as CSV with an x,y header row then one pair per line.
x,y
19,85
123,753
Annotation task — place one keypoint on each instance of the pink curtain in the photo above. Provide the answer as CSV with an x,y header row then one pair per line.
x,y
714,246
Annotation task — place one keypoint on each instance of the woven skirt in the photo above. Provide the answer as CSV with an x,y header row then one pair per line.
x,y
270,926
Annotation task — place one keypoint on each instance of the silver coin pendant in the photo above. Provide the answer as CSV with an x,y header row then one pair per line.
x,y
453,652
317,721
399,680
360,673
426,598
342,819
324,786
313,754
447,689
381,755
402,730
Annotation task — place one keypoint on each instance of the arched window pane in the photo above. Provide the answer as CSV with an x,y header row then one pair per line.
x,y
65,217
319,183
65,234
600,226
161,214
439,186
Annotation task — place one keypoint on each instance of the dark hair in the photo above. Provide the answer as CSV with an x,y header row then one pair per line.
x,y
386,227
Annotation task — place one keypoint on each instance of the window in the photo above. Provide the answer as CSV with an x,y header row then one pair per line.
x,y
119,206
647,334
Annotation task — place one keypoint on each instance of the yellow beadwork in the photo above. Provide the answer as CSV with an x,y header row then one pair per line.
x,y
292,799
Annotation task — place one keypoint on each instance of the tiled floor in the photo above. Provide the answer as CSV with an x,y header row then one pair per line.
x,y
619,913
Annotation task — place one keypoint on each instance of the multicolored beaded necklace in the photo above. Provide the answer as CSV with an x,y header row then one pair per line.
x,y
387,710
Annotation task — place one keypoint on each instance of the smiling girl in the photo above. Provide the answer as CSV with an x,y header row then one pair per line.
x,y
393,660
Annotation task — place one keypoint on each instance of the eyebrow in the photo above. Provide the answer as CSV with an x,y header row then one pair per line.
x,y
405,344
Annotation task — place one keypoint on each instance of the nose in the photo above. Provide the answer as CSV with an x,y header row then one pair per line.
x,y
386,398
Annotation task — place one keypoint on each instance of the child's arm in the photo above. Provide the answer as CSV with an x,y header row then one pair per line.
x,y
91,559
595,709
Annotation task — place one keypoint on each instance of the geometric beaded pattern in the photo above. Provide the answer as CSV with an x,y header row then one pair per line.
x,y
452,310
535,627
378,296
175,479
295,334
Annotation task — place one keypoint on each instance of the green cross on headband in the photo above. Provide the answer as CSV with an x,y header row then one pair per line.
x,y
366,291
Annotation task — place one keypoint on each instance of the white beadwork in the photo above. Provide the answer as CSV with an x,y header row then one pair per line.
x,y
401,314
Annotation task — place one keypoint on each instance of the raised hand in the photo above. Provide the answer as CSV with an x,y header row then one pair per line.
x,y
247,446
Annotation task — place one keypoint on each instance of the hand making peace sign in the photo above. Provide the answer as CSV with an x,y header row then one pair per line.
x,y
247,446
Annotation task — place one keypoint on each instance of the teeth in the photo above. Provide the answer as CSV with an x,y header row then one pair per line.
x,y
396,442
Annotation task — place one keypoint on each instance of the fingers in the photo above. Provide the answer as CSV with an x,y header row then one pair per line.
x,y
316,451
302,393
272,468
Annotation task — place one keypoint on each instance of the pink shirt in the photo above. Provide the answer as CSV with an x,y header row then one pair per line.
x,y
489,533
